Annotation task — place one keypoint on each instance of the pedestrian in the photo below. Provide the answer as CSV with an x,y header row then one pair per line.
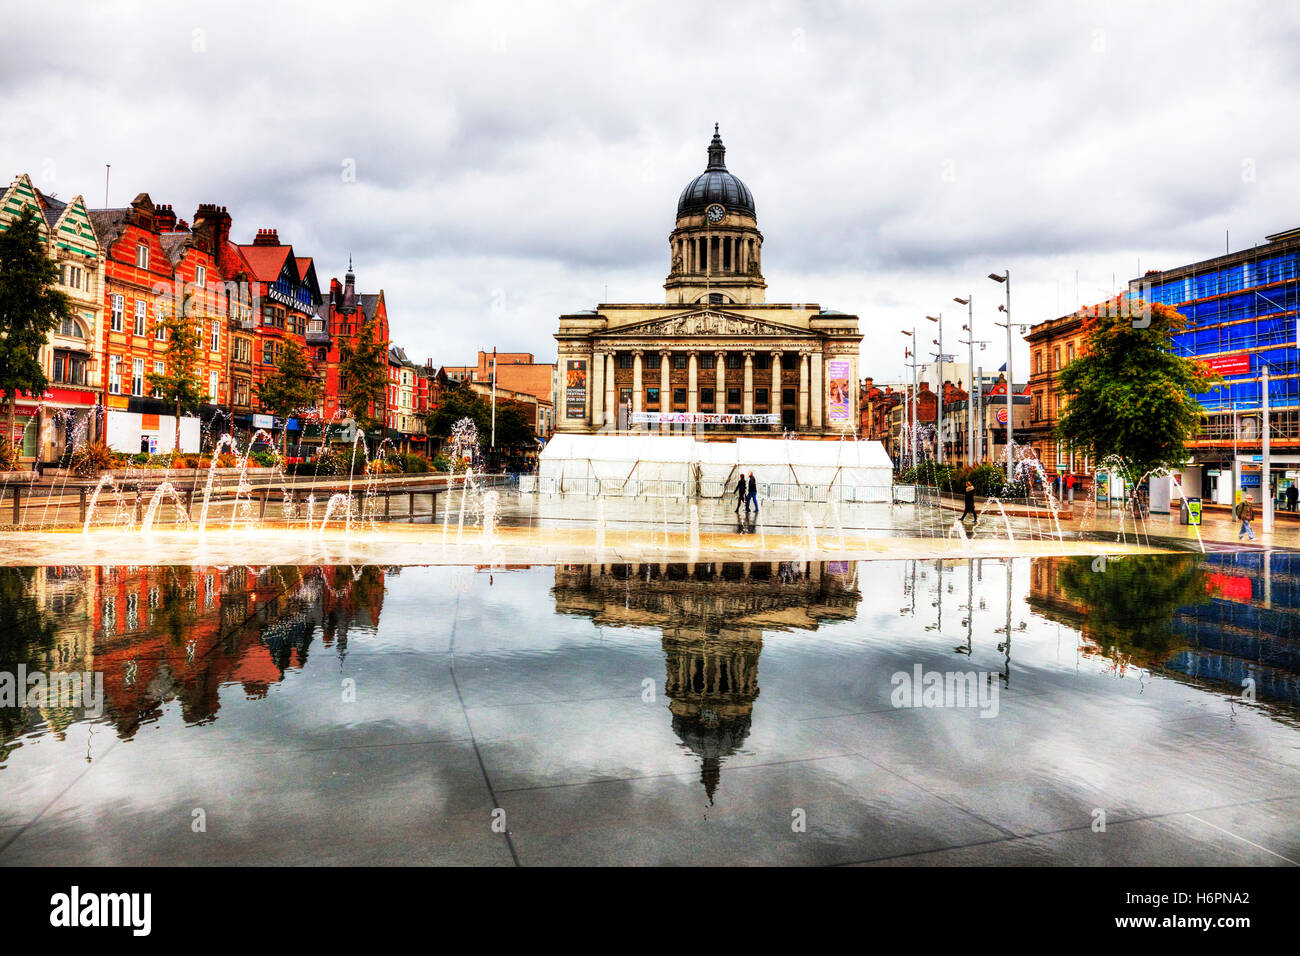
x,y
1292,496
1069,485
1245,512
741,489
753,494
969,505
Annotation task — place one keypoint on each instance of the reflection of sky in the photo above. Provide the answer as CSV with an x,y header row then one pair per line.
x,y
555,700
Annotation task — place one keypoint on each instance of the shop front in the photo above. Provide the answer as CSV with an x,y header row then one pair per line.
x,y
48,428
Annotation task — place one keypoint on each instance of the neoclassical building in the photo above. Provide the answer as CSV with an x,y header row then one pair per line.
x,y
715,358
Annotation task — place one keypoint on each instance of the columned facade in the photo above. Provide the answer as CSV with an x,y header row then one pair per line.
x,y
729,362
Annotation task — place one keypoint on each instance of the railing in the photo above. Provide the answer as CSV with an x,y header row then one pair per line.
x,y
709,488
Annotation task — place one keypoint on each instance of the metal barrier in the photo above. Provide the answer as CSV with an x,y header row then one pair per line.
x,y
714,488
905,494
527,484
663,488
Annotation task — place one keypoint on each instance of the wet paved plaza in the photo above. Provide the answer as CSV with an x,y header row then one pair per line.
x,y
1138,710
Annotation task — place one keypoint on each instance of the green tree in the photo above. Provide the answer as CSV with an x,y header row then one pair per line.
x,y
29,310
513,428
178,385
363,372
1126,605
292,387
1129,395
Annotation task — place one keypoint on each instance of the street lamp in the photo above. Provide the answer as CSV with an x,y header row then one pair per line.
x,y
914,433
1006,280
976,387
938,425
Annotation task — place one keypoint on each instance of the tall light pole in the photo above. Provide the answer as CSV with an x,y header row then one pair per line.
x,y
1006,280
973,385
494,399
938,425
915,432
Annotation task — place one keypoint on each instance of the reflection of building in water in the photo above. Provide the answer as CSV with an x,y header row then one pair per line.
x,y
712,617
1248,629
160,634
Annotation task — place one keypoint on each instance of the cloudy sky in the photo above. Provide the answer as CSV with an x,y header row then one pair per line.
x,y
491,166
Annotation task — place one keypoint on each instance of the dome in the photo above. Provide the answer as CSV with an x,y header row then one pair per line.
x,y
715,185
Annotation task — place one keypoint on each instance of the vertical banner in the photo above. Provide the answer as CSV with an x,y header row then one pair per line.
x,y
839,400
575,389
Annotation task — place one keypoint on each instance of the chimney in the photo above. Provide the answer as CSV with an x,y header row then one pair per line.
x,y
267,237
213,222
164,219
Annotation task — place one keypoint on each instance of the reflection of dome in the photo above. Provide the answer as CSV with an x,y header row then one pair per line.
x,y
711,738
715,185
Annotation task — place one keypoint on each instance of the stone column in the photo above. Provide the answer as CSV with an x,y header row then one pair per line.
x,y
803,389
665,389
693,384
720,377
748,407
596,388
818,413
774,402
636,381
611,393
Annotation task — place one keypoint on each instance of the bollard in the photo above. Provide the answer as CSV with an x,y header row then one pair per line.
x,y
82,495
139,505
387,499
410,513
261,515
17,493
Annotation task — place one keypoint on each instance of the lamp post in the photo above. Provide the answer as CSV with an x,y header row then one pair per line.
x,y
938,425
1006,280
974,386
914,434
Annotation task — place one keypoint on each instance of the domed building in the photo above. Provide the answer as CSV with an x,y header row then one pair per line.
x,y
715,358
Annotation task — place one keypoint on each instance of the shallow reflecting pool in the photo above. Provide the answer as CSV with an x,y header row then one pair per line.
x,y
1053,710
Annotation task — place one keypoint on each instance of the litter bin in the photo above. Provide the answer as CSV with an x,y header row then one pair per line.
x,y
1191,511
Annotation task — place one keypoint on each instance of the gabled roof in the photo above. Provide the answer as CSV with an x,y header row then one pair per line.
x,y
51,207
369,302
109,224
173,244
303,263
265,263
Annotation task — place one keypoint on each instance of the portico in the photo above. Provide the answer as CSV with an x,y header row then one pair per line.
x,y
715,357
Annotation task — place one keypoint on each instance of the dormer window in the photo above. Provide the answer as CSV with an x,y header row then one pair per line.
x,y
142,256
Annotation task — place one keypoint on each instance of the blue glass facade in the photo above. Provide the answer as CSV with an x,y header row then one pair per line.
x,y
1241,304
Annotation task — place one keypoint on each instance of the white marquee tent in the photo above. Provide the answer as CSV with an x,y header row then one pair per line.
x,y
653,465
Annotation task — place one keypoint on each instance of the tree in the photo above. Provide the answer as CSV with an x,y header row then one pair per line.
x,y
363,371
178,384
513,428
1130,396
29,310
292,387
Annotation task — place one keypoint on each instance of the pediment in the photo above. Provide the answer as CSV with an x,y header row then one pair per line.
x,y
709,322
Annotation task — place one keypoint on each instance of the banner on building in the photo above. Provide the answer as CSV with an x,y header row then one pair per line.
x,y
1229,364
575,388
839,397
702,418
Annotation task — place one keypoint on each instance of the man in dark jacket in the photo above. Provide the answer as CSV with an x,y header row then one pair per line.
x,y
1292,496
741,489
753,494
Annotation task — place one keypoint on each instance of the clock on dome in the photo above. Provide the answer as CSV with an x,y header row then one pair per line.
x,y
715,213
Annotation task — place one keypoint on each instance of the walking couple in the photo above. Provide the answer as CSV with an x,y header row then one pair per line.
x,y
746,493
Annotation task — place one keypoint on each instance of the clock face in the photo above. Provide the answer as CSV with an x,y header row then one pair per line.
x,y
715,213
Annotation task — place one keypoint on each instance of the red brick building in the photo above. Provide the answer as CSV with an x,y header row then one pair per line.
x,y
156,266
